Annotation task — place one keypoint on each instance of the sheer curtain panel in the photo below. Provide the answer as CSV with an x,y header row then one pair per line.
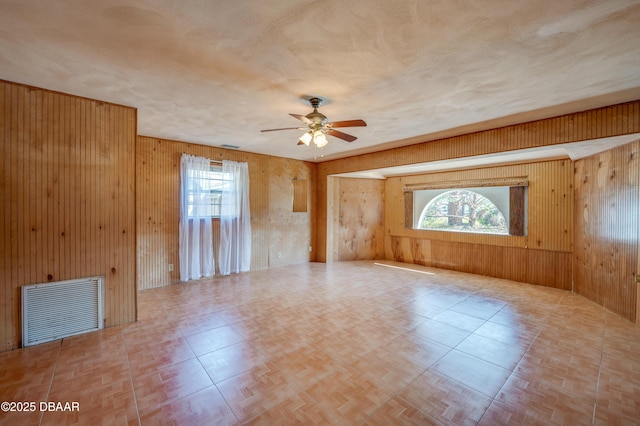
x,y
235,219
196,238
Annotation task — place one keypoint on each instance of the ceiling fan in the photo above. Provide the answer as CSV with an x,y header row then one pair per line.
x,y
318,126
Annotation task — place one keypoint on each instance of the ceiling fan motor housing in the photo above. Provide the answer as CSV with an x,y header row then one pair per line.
x,y
319,120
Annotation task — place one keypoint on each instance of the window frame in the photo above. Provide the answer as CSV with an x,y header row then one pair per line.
x,y
517,201
438,200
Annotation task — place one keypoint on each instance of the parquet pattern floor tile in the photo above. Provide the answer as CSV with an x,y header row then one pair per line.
x,y
351,343
397,411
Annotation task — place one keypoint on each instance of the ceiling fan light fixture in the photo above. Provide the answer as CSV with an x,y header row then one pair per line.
x,y
319,138
318,127
306,138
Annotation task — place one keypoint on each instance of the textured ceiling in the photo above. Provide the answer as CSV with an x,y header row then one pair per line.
x,y
217,72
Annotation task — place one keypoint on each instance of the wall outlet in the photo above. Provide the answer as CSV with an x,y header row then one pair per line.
x,y
170,267
309,249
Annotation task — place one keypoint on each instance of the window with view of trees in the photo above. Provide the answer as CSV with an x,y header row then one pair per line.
x,y
488,206
463,210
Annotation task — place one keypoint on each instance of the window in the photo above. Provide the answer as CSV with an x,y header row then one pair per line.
x,y
205,192
463,210
489,206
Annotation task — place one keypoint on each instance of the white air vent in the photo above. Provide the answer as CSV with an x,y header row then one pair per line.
x,y
55,310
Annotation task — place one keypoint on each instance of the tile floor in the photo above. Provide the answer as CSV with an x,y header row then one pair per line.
x,y
348,343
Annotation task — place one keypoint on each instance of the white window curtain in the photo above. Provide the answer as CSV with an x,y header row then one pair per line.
x,y
196,238
235,219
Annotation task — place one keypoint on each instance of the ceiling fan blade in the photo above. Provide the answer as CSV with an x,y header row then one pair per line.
x,y
348,123
284,128
341,135
301,118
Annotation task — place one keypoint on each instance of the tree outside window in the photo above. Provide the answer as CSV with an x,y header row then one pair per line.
x,y
465,211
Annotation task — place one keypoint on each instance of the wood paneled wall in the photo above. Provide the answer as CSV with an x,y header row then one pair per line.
x,y
543,256
545,253
607,211
67,167
358,219
279,236
550,205
291,234
597,123
615,120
